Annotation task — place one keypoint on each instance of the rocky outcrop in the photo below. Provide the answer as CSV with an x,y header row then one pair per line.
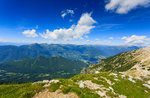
x,y
57,94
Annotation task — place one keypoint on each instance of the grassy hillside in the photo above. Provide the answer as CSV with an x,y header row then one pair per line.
x,y
104,84
135,62
29,70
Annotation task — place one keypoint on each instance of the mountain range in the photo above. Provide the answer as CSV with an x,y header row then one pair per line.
x,y
86,53
124,75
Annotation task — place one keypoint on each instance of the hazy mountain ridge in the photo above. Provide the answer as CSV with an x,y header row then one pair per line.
x,y
86,53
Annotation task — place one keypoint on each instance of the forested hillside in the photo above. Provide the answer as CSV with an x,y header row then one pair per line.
x,y
29,70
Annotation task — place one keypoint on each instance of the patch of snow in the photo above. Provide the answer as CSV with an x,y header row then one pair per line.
x,y
146,85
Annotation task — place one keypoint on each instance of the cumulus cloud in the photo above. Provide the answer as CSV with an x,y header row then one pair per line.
x,y
86,36
111,38
3,40
30,33
66,12
83,27
97,39
136,40
124,6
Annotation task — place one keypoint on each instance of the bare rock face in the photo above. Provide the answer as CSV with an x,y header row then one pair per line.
x,y
56,94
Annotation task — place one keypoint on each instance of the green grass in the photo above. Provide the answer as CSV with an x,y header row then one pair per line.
x,y
121,87
68,85
54,86
26,90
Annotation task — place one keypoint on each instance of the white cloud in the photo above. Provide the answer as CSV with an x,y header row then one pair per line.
x,y
136,40
111,38
63,15
66,12
86,36
30,33
124,6
83,27
97,39
3,40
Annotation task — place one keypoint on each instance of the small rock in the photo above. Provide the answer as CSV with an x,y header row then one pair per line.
x,y
96,72
116,79
131,79
148,82
46,85
81,84
146,91
95,78
146,85
122,96
45,81
101,93
111,88
53,81
123,76
113,74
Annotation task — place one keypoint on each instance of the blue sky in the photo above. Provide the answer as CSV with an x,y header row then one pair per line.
x,y
104,22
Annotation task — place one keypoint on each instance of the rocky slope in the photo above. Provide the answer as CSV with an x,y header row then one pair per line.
x,y
105,84
135,63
